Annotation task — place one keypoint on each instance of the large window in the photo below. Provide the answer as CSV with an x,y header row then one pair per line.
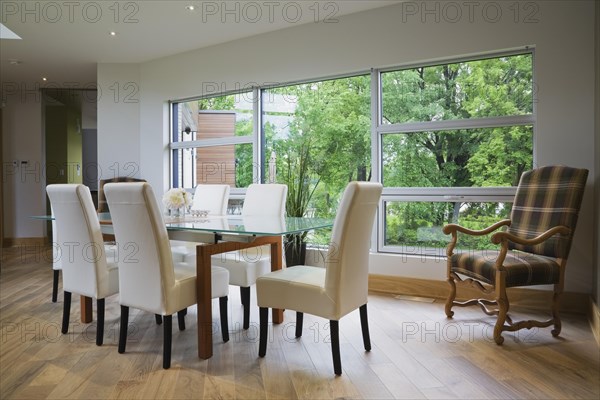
x,y
213,140
449,142
454,139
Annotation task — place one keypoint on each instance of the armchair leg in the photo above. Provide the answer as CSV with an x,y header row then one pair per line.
x,y
451,296
55,286
263,315
555,315
66,312
168,325
364,324
299,320
181,319
245,295
224,321
503,306
334,329
158,319
123,328
100,325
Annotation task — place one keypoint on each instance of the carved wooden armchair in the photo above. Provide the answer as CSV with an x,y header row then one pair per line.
x,y
533,250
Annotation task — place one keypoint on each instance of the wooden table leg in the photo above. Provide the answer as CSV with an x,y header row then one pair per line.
x,y
203,293
276,255
86,310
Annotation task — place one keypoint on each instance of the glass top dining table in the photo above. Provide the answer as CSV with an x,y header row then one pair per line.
x,y
216,235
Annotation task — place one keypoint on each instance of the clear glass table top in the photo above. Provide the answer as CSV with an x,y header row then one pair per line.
x,y
260,226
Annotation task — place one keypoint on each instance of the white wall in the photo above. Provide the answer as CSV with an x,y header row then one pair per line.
x,y
119,134
24,193
563,37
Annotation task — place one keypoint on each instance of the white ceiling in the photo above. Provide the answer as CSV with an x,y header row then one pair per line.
x,y
64,41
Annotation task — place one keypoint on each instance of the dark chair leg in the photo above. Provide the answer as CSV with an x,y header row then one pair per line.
x,y
55,286
100,324
123,328
181,319
158,319
299,320
364,324
263,315
224,321
168,322
334,329
66,312
245,294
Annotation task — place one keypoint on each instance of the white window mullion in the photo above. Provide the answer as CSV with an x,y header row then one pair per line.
x,y
455,124
212,142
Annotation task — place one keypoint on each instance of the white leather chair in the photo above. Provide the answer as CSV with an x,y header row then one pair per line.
x,y
211,198
86,270
337,289
245,266
56,260
110,251
150,280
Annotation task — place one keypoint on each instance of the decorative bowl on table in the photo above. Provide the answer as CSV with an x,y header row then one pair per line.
x,y
200,213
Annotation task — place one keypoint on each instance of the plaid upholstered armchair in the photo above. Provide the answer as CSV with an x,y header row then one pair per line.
x,y
102,203
533,250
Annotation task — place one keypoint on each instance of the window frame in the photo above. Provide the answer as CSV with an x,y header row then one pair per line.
x,y
235,193
378,130
438,194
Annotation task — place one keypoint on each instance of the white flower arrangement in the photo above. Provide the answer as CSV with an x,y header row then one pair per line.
x,y
177,198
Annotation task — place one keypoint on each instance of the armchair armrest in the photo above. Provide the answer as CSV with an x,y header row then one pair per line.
x,y
505,237
451,228
454,229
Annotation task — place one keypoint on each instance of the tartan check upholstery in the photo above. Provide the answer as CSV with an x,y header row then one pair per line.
x,y
547,197
522,269
102,204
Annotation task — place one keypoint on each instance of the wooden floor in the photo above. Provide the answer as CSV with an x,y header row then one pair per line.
x,y
417,353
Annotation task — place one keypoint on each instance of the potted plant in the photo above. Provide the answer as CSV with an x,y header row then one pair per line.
x,y
301,184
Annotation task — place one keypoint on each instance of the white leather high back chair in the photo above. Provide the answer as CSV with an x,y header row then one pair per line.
x,y
56,260
246,265
150,279
82,254
336,290
265,200
212,198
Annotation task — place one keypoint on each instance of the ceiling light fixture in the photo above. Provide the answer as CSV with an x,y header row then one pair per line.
x,y
44,78
190,8
14,61
113,33
6,33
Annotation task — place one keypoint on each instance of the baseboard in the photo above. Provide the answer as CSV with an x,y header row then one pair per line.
x,y
576,303
26,241
594,318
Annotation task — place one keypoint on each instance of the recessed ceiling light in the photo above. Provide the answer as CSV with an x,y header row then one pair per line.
x,y
113,33
190,8
44,78
6,33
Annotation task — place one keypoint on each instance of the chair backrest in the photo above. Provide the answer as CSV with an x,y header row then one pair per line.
x,y
213,198
265,199
80,248
102,204
347,260
547,197
146,274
